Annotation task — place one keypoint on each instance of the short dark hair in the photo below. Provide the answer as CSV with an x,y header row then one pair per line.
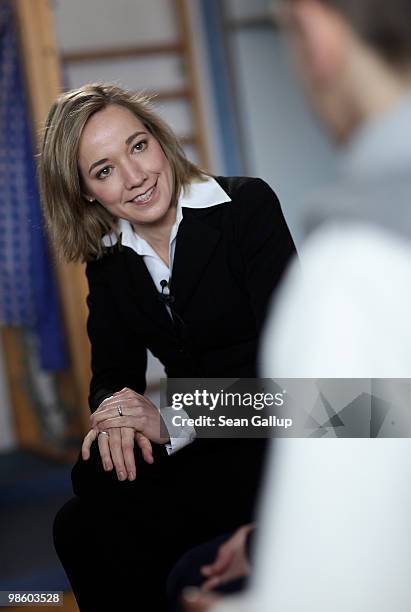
x,y
384,24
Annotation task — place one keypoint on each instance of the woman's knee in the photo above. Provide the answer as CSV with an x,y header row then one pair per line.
x,y
68,525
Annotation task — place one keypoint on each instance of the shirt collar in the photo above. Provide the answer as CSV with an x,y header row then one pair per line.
x,y
198,194
203,194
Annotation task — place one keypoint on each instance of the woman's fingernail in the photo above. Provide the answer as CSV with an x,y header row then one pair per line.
x,y
191,594
121,476
107,467
131,475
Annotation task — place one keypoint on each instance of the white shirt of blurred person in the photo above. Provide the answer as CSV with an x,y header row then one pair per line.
x,y
335,528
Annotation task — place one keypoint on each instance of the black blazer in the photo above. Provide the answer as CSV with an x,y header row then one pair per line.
x,y
229,259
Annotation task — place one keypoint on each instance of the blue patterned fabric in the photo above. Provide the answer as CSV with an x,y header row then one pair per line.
x,y
28,293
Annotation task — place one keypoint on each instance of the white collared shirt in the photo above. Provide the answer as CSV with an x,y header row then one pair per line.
x,y
198,194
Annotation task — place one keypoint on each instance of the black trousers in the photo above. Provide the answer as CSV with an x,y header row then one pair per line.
x,y
118,541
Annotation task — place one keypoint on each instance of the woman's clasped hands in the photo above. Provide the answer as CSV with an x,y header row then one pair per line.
x,y
120,421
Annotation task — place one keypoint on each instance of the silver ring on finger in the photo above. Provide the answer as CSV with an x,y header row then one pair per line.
x,y
120,412
105,433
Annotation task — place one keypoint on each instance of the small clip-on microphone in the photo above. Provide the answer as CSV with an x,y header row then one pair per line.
x,y
165,298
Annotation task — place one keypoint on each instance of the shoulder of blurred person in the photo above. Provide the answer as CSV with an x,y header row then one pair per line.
x,y
374,182
346,314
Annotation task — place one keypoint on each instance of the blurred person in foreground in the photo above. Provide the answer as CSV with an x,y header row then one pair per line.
x,y
178,262
335,528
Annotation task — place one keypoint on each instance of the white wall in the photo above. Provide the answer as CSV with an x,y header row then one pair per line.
x,y
89,24
283,143
93,24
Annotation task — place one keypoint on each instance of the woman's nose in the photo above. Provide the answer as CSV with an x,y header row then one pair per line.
x,y
134,175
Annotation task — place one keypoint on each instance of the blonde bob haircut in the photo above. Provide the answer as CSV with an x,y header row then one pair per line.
x,y
75,225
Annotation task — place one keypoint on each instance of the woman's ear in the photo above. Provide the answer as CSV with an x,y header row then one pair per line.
x,y
320,36
89,199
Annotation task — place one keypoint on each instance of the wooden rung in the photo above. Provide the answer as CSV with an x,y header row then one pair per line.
x,y
188,140
171,94
112,53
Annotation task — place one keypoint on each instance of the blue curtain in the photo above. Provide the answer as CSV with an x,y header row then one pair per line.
x,y
28,295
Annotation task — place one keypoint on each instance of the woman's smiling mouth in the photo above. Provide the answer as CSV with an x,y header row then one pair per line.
x,y
144,197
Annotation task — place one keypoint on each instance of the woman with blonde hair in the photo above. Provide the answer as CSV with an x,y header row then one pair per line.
x,y
180,263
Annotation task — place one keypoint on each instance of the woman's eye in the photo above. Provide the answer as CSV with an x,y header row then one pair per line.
x,y
103,173
140,146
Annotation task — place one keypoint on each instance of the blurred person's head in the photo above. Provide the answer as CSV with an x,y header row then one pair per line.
x,y
354,56
106,155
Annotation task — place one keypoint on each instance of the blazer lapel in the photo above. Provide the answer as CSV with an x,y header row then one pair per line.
x,y
196,242
143,293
